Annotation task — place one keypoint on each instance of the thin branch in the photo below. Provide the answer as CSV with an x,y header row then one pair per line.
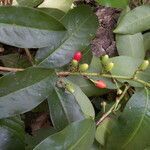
x,y
29,55
114,106
7,69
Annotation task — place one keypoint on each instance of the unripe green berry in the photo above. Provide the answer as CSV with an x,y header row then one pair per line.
x,y
109,66
70,88
83,67
144,65
74,63
105,59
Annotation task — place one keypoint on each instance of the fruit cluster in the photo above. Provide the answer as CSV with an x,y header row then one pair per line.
x,y
84,67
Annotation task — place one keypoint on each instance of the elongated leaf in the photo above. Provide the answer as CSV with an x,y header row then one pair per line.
x,y
146,38
36,30
63,5
132,128
137,20
78,135
53,12
81,24
64,109
29,3
22,91
130,45
11,134
114,3
83,101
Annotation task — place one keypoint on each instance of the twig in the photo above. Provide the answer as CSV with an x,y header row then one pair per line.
x,y
7,69
114,106
29,55
84,74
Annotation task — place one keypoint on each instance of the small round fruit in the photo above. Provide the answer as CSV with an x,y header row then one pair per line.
x,y
100,84
77,56
144,65
83,67
74,63
109,66
105,59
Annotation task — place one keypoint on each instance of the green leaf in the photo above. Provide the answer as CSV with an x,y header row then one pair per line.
x,y
29,3
63,5
83,101
15,60
37,31
114,3
64,108
137,20
22,91
146,38
132,128
130,45
78,135
82,24
53,12
11,134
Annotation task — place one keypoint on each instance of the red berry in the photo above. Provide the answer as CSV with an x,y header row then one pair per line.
x,y
100,84
77,56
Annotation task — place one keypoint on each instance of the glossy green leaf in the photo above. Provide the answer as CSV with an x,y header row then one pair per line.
x,y
114,3
137,20
132,129
53,12
83,101
81,23
63,5
29,3
64,108
77,136
11,134
22,91
37,31
15,60
146,38
130,45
